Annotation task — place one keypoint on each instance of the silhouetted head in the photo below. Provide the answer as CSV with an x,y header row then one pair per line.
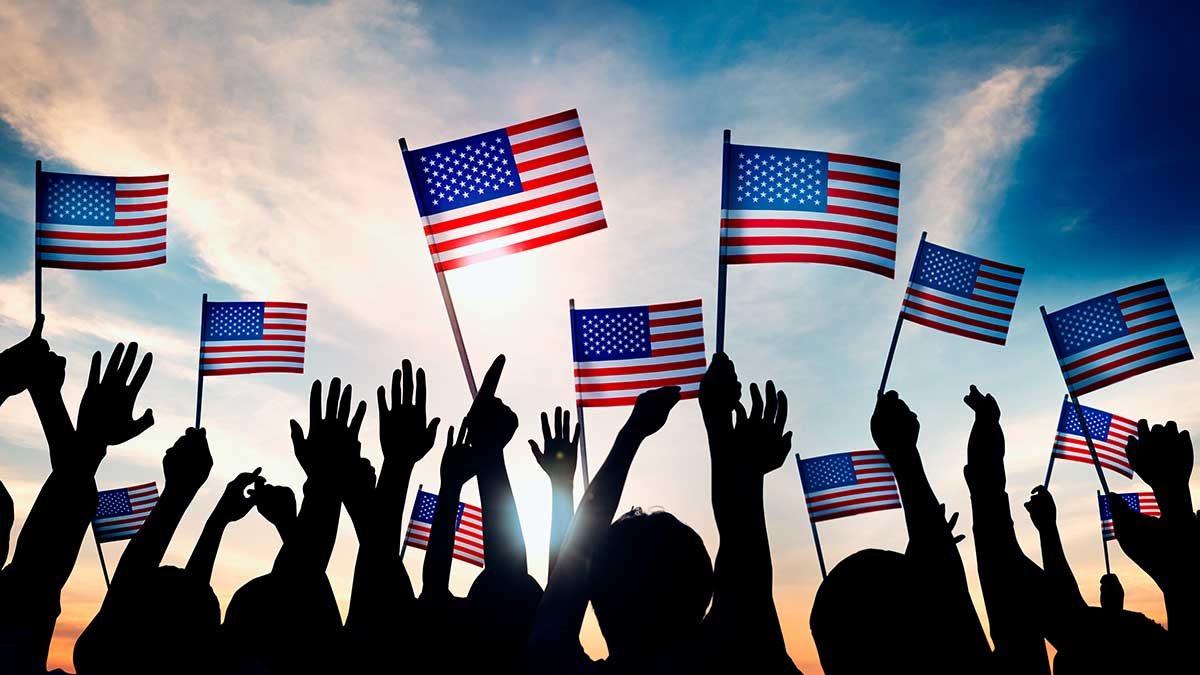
x,y
1114,641
651,581
282,623
867,617
176,619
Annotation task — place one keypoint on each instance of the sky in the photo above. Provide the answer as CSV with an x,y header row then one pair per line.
x,y
1057,137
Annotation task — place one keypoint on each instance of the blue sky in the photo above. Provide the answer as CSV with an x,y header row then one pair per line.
x,y
1059,138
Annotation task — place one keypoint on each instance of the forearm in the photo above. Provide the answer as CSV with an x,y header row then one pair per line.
x,y
439,553
390,492
503,540
1175,504
145,551
562,508
923,515
310,544
1059,576
56,423
204,556
54,529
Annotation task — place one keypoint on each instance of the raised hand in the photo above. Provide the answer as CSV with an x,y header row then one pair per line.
x,y
460,463
895,429
15,362
720,392
492,422
1162,455
651,410
1112,594
106,409
235,503
985,406
187,463
331,446
1041,508
277,504
758,438
404,433
559,458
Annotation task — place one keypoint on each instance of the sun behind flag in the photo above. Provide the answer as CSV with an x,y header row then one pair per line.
x,y
468,528
621,352
505,191
961,294
1110,434
101,222
780,205
1144,503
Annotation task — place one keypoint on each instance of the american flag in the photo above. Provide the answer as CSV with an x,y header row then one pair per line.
x,y
781,205
505,191
253,337
961,294
101,222
1110,433
120,513
468,528
1142,502
621,352
1116,336
847,484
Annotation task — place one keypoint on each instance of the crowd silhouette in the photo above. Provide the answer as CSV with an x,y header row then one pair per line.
x,y
663,603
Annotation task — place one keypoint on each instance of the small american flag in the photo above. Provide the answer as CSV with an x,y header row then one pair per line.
x,y
253,337
961,294
120,513
1142,502
621,352
101,222
847,484
468,528
780,205
1110,433
1117,335
505,191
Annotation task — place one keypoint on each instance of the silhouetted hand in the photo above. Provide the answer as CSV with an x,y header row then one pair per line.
x,y
187,463
895,429
49,373
235,503
984,470
331,446
403,431
985,406
459,462
950,524
15,362
1161,455
759,440
1041,508
1112,594
277,504
492,422
651,410
562,447
106,409
720,392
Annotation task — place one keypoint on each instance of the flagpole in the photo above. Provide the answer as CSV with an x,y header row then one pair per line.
x,y
578,403
100,552
887,366
200,358
721,266
404,541
1087,435
813,525
441,277
37,263
1104,540
1050,466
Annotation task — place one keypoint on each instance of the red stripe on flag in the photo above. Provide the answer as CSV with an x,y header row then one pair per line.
x,y
786,223
247,371
674,320
634,370
864,161
445,245
256,348
1105,353
251,359
1127,360
540,122
808,258
133,208
624,400
672,306
862,213
954,329
1140,287
526,245
548,160
548,139
284,326
682,349
865,179
286,305
863,196
86,250
147,220
584,387
142,179
153,192
510,209
996,277
865,509
1132,316
535,183
995,289
677,335
808,241
124,265
1008,268
117,235
958,305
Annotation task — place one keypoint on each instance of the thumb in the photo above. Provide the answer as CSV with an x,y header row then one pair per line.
x,y
297,432
36,333
537,452
143,423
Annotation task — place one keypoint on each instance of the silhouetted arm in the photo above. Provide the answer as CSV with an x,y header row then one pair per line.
x,y
558,460
554,639
743,612
233,506
406,435
1060,580
7,516
458,466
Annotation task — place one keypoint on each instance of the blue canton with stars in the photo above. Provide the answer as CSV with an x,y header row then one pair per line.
x,y
113,503
76,199
468,171
1131,498
234,321
1087,324
611,334
828,472
1098,421
775,179
947,270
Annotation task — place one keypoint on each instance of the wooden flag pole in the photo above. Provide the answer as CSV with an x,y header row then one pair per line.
x,y
404,541
1087,435
887,366
1050,466
721,266
37,263
441,277
578,404
1104,540
813,525
100,552
200,358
